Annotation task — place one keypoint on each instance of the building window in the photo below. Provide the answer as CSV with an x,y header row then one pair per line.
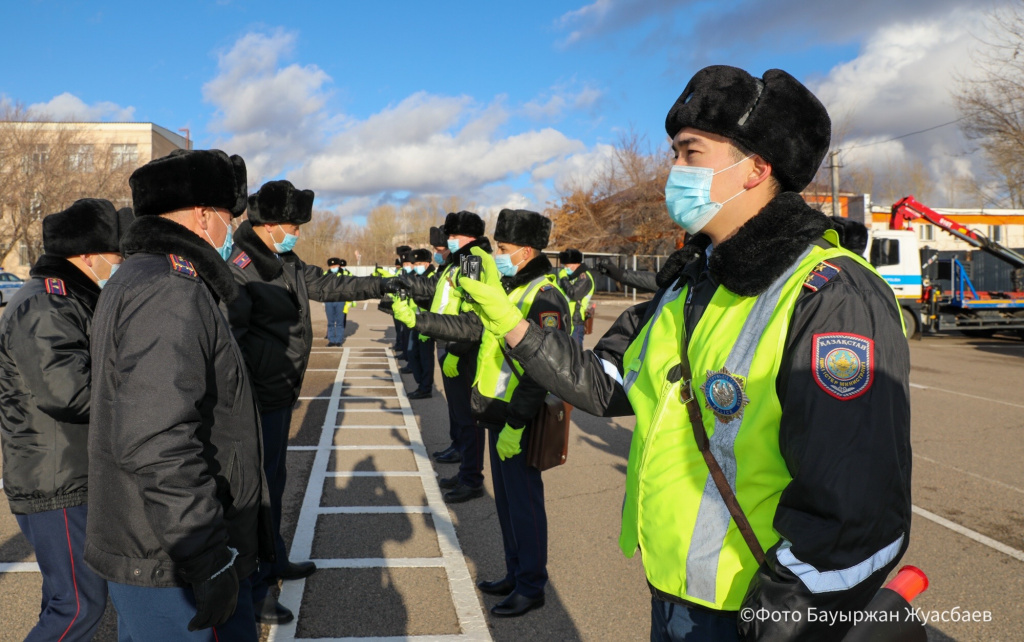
x,y
37,158
926,232
81,158
23,253
995,233
124,154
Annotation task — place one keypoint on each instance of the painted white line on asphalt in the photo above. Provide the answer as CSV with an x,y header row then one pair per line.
x,y
19,567
967,472
398,410
376,473
966,532
374,510
964,394
382,562
369,427
372,447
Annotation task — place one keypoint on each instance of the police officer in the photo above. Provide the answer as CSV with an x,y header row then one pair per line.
x,y
178,506
782,345
271,321
421,357
505,401
337,311
403,266
45,387
578,285
640,279
463,232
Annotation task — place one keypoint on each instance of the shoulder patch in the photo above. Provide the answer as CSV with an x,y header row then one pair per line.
x,y
550,320
183,265
545,288
843,364
55,286
821,274
242,260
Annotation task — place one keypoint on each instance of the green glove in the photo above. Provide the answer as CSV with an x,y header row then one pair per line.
x,y
424,338
491,304
508,442
488,268
450,367
403,311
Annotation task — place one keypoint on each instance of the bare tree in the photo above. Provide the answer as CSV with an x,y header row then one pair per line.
x,y
992,102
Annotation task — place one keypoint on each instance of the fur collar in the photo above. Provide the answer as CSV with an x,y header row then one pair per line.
x,y
759,252
56,267
157,235
536,268
267,264
483,243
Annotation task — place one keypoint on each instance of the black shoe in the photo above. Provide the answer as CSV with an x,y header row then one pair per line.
x,y
516,604
448,483
270,611
296,570
439,453
503,586
420,394
452,457
406,370
463,493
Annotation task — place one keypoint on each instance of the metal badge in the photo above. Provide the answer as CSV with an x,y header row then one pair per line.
x,y
723,394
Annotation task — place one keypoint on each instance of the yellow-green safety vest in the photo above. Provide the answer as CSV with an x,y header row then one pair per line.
x,y
672,510
447,294
494,376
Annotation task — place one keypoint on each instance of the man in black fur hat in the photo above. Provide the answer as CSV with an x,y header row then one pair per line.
x,y
505,401
578,285
178,505
421,356
784,346
337,311
271,322
45,382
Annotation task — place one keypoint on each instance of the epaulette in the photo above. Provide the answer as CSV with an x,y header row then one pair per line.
x,y
183,265
545,288
55,286
242,260
821,274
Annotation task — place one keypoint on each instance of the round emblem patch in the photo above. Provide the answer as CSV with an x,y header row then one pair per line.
x,y
843,364
723,394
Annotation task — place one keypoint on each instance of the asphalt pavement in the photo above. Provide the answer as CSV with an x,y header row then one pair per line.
x,y
396,563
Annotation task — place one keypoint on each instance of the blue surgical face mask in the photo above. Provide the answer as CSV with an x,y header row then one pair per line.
x,y
225,248
453,246
407,268
688,196
287,245
504,263
419,269
335,269
113,268
438,258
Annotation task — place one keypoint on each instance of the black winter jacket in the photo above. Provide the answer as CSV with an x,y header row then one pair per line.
x,y
466,327
577,286
270,317
850,460
175,453
44,388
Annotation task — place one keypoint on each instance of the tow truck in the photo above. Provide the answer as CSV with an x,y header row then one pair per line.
x,y
894,253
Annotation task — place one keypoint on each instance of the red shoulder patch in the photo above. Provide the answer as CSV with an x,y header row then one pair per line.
x,y
242,260
55,286
182,265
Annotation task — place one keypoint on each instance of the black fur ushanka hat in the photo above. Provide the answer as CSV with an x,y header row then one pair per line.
x,y
88,226
422,256
336,261
570,255
464,224
775,117
523,227
437,237
187,178
280,202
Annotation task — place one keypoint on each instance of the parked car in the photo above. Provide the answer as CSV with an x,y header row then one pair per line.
x,y
9,284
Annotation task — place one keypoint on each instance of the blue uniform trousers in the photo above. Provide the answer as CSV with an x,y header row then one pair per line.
x,y
467,436
149,614
275,449
74,597
519,497
677,623
421,360
335,321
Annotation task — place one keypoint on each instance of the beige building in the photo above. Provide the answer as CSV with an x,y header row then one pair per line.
x,y
46,166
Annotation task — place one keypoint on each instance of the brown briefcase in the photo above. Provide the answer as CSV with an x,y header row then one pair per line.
x,y
548,443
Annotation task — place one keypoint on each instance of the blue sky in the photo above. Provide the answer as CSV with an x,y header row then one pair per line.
x,y
498,103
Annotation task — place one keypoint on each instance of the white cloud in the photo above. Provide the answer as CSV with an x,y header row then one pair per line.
x,y
67,106
580,169
560,99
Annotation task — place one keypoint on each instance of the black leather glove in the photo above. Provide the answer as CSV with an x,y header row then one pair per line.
x,y
394,285
216,599
612,270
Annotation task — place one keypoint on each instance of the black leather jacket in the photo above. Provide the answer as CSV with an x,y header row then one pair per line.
x,y
44,388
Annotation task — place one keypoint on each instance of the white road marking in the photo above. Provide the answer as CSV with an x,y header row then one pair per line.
x,y
967,472
964,394
966,532
19,567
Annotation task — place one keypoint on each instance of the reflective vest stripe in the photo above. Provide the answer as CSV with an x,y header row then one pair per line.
x,y
505,374
713,516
